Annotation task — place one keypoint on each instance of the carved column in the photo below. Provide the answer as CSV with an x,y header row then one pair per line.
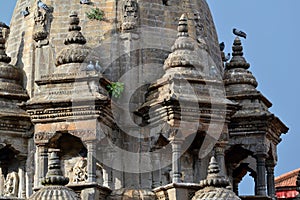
x,y
156,173
261,174
42,164
220,157
22,178
107,171
176,143
270,179
91,161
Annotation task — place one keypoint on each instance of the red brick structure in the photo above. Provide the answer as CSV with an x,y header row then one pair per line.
x,y
286,185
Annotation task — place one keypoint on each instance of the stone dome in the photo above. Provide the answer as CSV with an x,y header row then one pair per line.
x,y
215,186
54,183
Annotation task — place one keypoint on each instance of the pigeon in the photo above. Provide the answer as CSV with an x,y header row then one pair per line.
x,y
43,6
90,66
3,25
239,33
25,12
84,1
222,46
227,57
165,2
98,67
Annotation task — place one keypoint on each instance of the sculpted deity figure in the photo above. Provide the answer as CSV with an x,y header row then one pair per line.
x,y
11,185
80,171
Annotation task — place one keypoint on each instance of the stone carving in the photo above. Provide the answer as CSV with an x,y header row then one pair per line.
x,y
11,185
40,34
80,171
130,14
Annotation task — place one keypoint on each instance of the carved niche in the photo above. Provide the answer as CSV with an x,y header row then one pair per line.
x,y
130,14
11,185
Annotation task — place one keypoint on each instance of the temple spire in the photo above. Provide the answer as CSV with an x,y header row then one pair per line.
x,y
238,60
75,50
3,56
54,175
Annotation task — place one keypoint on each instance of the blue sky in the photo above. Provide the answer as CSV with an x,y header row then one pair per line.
x,y
272,49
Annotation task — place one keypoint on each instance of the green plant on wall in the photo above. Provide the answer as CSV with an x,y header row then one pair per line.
x,y
95,14
115,89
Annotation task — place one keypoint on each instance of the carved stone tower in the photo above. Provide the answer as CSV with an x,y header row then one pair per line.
x,y
134,95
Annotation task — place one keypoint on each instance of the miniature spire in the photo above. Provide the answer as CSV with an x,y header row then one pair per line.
x,y
54,175
3,56
75,36
75,51
237,61
214,178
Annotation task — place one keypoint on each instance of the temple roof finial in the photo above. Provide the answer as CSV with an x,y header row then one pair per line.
x,y
54,175
74,36
238,60
75,51
214,178
183,26
3,56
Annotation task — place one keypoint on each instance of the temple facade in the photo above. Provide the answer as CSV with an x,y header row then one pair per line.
x,y
129,99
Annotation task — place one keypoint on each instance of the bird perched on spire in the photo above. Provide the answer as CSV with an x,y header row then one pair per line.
x,y
239,33
43,6
25,12
3,25
222,46
85,2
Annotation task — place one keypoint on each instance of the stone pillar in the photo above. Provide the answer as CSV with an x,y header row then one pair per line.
x,y
261,175
91,161
220,157
42,164
22,178
176,143
156,173
270,179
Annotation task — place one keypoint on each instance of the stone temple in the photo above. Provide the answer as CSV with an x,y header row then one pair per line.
x,y
129,99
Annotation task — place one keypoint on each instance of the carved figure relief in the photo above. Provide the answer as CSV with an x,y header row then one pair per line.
x,y
80,171
40,32
11,185
130,14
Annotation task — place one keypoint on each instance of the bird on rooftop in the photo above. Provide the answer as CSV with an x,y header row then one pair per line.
x,y
98,67
3,25
43,6
84,1
25,12
90,66
222,46
239,33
